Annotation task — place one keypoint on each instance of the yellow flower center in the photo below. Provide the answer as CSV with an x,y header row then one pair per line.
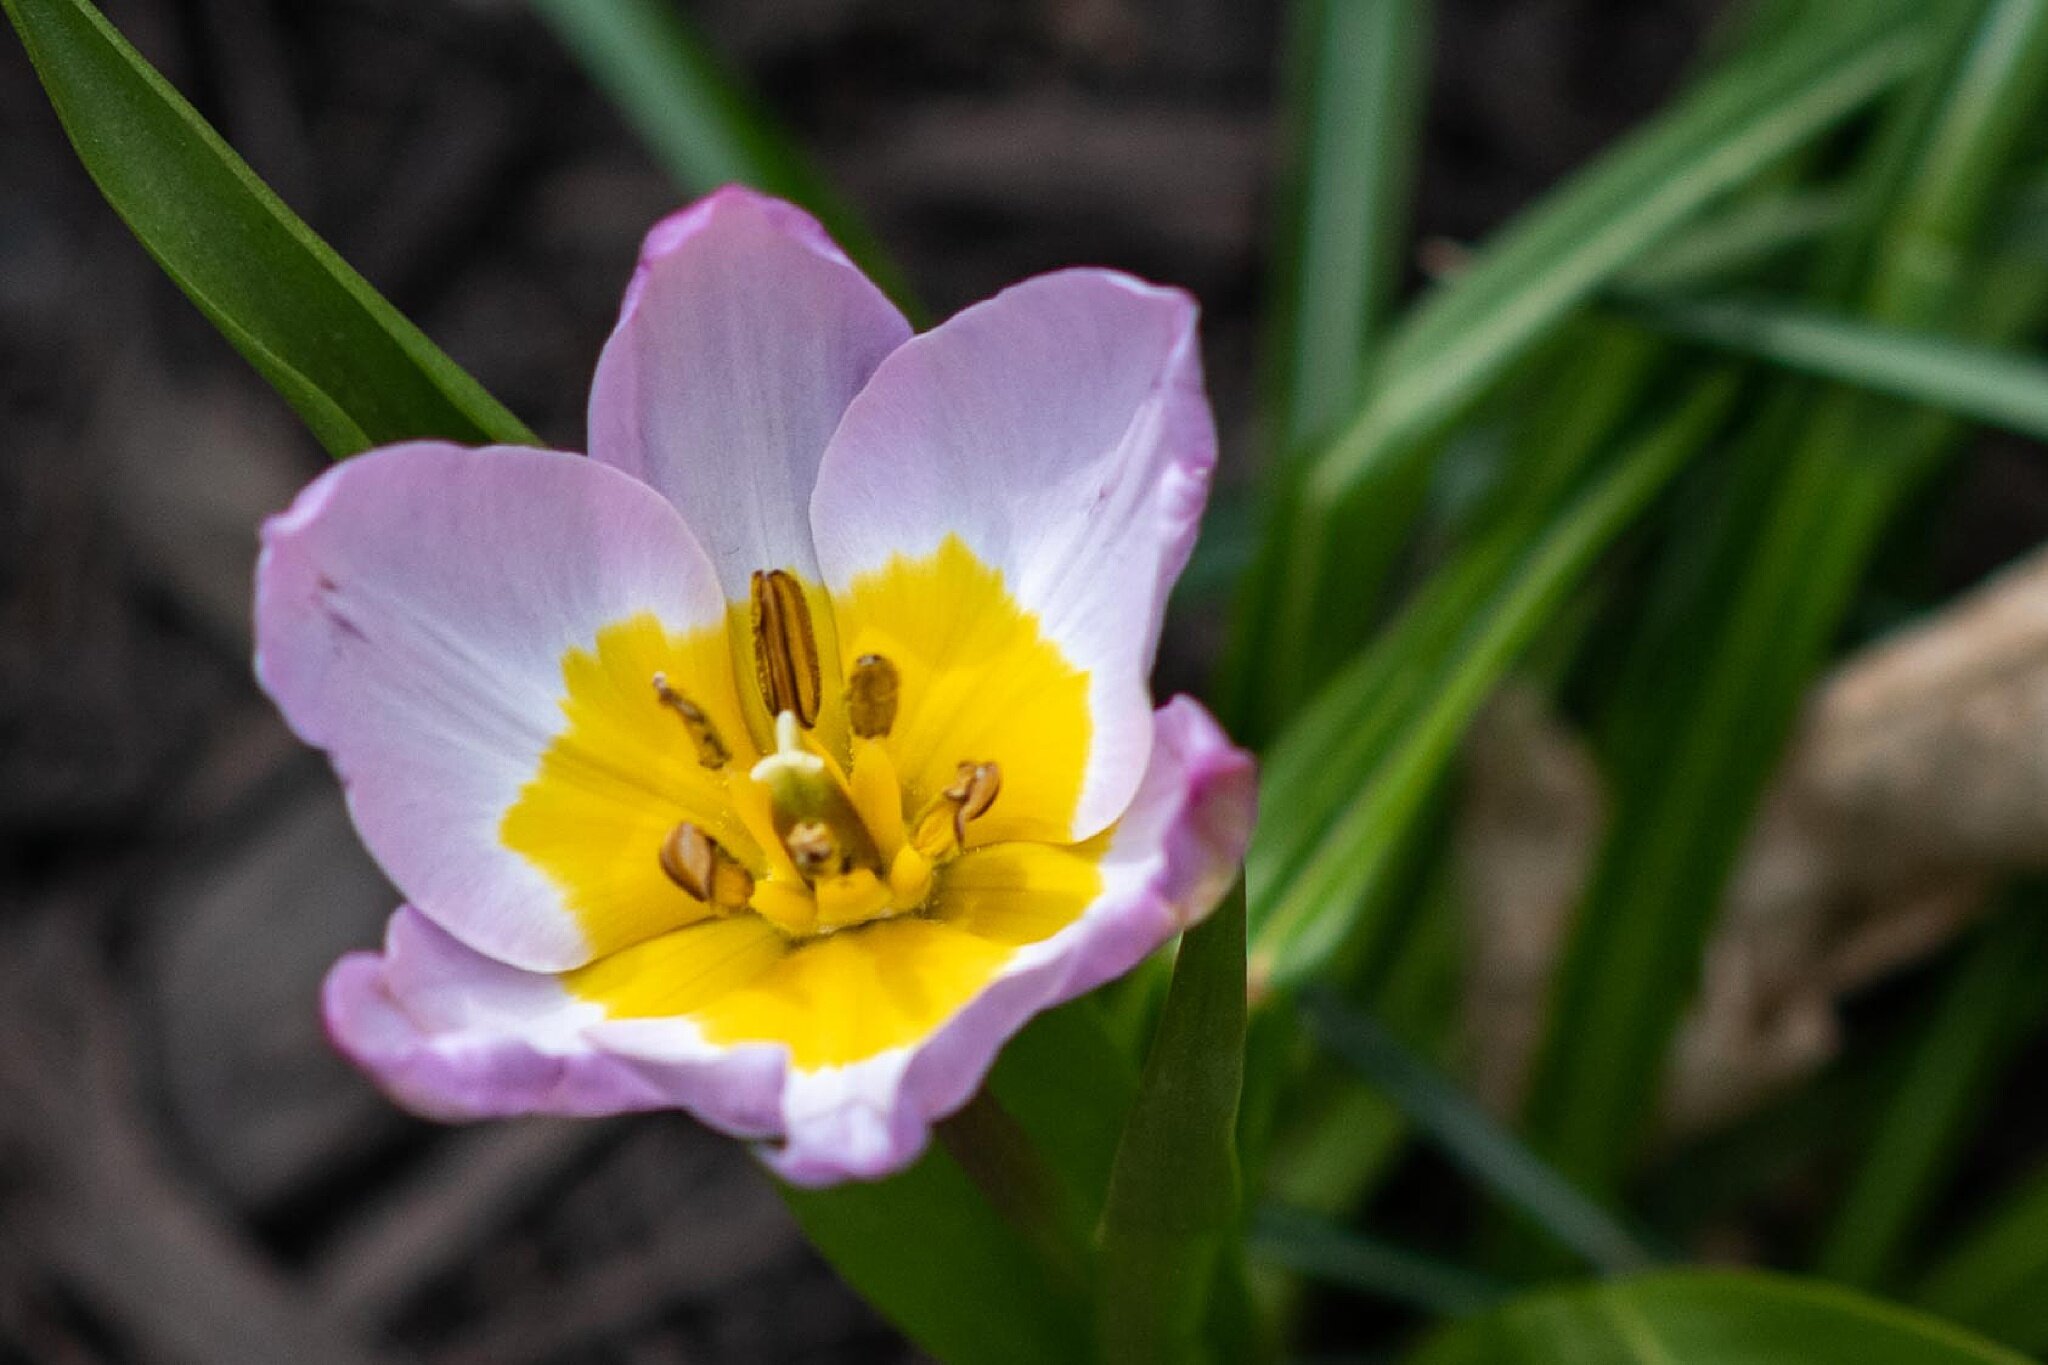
x,y
828,825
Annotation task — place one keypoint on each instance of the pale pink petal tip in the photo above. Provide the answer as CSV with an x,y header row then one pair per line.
x,y
761,212
743,336
452,1035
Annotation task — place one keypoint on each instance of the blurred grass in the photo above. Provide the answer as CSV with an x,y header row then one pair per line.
x,y
1842,209
1714,688
699,119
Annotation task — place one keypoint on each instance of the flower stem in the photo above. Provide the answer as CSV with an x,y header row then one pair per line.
x,y
1001,1160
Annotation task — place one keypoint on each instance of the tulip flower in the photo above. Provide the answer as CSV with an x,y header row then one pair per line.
x,y
779,760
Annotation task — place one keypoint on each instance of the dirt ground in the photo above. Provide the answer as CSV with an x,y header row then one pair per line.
x,y
186,1172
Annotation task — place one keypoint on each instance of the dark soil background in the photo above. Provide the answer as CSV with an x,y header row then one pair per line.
x,y
186,1173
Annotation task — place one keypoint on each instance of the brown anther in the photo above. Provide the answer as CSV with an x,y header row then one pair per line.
x,y
694,861
974,790
813,848
785,648
711,750
732,886
871,696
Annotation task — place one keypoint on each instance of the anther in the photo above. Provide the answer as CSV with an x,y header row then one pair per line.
x,y
694,861
813,848
711,750
974,790
871,694
785,648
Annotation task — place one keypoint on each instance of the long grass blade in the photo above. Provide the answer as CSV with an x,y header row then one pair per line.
x,y
1706,1317
1363,759
1354,109
1916,1141
697,118
1982,383
1357,110
1321,1250
1995,1279
1557,255
1711,689
349,363
1471,1137
1474,329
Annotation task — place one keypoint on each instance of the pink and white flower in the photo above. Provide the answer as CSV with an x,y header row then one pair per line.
x,y
781,759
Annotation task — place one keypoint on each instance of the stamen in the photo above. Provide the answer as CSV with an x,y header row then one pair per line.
x,y
942,825
871,696
972,793
785,649
695,862
711,750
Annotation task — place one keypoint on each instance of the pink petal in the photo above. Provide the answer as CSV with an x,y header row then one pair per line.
x,y
744,335
451,1034
412,612
1060,430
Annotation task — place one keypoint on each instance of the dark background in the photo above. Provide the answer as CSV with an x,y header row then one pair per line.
x,y
186,1173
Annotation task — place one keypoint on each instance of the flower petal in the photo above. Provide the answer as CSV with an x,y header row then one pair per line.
x,y
744,335
414,611
1060,432
1169,861
452,1034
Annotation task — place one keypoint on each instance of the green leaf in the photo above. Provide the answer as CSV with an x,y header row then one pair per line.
x,y
697,119
1315,1247
1172,1210
934,1258
1920,1137
967,1287
1707,1318
1358,73
1982,383
1357,767
1473,1139
975,1291
1471,331
1738,239
1557,255
1361,69
1750,600
1995,1279
346,360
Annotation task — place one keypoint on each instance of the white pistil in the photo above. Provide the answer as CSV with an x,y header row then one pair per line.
x,y
794,776
814,814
